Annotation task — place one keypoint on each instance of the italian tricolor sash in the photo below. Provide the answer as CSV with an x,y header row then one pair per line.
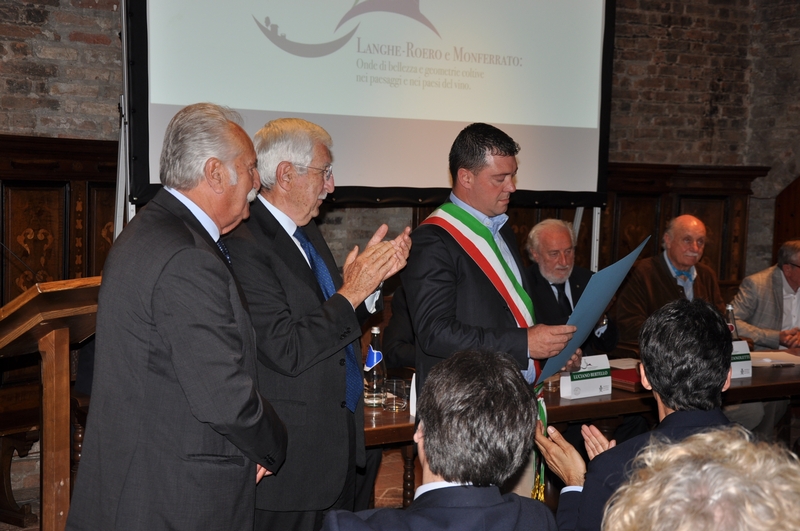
x,y
478,242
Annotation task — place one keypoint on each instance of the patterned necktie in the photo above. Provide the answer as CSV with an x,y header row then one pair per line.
x,y
354,381
563,300
224,249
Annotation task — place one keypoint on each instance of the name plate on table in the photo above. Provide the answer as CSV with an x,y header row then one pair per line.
x,y
594,379
741,365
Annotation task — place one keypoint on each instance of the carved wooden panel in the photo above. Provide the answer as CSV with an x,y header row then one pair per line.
x,y
635,218
787,217
101,226
33,219
57,208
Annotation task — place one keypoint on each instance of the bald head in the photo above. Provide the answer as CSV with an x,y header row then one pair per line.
x,y
684,241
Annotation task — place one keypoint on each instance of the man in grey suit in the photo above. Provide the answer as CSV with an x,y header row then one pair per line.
x,y
767,310
766,306
178,435
308,323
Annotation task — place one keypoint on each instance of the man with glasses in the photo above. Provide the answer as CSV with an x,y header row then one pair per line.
x,y
767,310
674,274
767,307
308,324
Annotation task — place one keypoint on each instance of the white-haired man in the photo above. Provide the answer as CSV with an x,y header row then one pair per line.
x,y
308,324
177,431
556,284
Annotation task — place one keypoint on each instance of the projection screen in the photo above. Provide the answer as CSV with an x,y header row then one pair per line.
x,y
393,82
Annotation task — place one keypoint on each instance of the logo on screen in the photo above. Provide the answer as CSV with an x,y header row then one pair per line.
x,y
407,8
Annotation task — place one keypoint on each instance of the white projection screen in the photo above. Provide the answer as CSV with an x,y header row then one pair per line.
x,y
392,81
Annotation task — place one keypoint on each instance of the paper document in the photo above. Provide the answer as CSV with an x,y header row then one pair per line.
x,y
624,363
773,358
598,293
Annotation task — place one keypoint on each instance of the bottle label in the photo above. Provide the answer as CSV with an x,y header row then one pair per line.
x,y
374,357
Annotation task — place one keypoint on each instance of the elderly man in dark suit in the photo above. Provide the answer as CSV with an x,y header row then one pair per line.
x,y
476,418
308,323
686,361
178,435
556,284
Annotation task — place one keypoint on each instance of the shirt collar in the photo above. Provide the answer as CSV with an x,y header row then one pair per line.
x,y
787,289
494,224
285,221
676,272
427,487
198,212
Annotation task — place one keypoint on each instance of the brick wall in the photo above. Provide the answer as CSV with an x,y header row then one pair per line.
x,y
60,68
774,126
680,85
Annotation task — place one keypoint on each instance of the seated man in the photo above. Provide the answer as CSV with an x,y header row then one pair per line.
x,y
716,481
476,422
766,307
766,311
556,284
686,361
674,274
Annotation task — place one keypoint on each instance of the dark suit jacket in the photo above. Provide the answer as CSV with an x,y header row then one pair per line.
x,y
301,341
453,305
176,422
547,310
451,508
398,335
606,472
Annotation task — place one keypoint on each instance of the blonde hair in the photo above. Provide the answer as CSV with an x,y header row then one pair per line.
x,y
720,480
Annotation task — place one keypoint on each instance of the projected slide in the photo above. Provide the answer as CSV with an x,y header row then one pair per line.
x,y
393,81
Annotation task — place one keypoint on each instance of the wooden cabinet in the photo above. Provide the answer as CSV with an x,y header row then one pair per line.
x,y
57,209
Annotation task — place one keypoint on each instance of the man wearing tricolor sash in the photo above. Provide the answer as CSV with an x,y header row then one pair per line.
x,y
464,281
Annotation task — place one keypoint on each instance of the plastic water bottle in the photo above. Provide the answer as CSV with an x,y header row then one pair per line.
x,y
374,371
731,320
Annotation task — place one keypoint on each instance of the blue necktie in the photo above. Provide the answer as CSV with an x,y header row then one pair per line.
x,y
354,382
224,249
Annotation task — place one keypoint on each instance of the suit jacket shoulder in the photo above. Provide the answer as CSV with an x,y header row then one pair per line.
x,y
453,305
452,509
606,472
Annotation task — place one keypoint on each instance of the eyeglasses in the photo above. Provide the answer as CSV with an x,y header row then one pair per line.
x,y
327,171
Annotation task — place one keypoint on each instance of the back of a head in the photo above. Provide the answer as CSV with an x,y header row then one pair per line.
x,y
474,142
478,416
686,353
714,481
287,139
194,135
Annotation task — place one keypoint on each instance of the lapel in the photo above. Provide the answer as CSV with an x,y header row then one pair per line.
x,y
576,287
507,233
547,311
275,237
170,203
777,294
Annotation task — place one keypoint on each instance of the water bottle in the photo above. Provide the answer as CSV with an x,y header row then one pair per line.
x,y
731,321
374,371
